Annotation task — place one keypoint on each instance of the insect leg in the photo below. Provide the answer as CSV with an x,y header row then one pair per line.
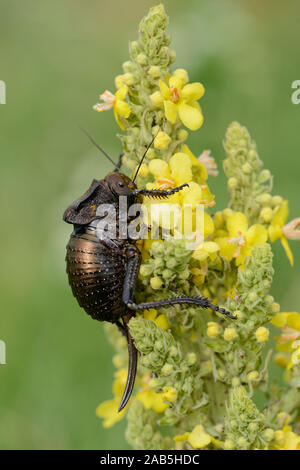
x,y
159,193
121,328
129,288
132,363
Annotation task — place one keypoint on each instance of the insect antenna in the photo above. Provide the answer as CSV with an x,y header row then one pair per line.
x,y
138,168
98,147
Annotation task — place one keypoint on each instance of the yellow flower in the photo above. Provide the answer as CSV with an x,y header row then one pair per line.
x,y
206,250
161,140
156,282
198,438
180,100
286,439
160,320
181,168
170,394
108,410
278,229
262,334
199,169
152,400
230,334
242,239
213,329
289,341
117,102
159,168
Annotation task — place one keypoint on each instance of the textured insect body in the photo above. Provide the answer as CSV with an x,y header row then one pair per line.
x,y
103,271
96,267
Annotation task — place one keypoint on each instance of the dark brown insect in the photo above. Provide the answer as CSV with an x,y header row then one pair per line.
x,y
102,271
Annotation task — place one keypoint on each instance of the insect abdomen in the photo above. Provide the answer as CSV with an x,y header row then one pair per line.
x,y
96,276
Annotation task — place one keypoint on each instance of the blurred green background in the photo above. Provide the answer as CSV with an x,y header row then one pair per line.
x,y
56,57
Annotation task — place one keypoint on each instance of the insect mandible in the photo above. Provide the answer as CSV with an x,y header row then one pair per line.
x,y
103,272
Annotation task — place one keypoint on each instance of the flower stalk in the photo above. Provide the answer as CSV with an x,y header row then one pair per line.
x,y
198,370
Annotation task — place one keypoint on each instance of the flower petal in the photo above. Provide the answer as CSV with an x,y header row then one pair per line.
x,y
118,120
192,91
237,222
175,82
122,108
164,90
280,319
256,235
281,214
293,320
226,249
199,438
287,250
275,232
181,168
171,110
108,410
121,92
191,117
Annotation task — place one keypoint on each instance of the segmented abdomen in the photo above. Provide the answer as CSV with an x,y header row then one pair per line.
x,y
96,276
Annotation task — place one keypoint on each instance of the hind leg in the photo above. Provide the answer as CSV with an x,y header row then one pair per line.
x,y
132,270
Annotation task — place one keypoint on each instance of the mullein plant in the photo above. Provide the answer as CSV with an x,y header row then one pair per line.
x,y
198,370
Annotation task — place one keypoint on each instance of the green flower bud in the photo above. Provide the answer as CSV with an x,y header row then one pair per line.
x,y
142,59
264,176
154,71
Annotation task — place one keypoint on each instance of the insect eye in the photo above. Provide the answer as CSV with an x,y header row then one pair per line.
x,y
121,184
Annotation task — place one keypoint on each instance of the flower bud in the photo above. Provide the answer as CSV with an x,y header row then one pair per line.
x,y
172,56
242,441
144,170
151,154
276,201
268,434
191,359
227,213
252,376
264,199
232,183
235,382
182,74
134,47
170,394
213,329
128,79
157,98
246,168
146,270
230,334
167,274
119,81
156,282
154,71
162,141
183,135
266,214
229,444
264,176
167,369
262,334
275,307
142,59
